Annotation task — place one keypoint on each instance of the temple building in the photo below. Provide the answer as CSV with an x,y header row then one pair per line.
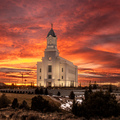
x,y
55,71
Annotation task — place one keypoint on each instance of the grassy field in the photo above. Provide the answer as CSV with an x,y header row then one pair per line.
x,y
28,98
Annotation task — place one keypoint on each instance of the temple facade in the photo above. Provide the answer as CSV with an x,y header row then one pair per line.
x,y
55,71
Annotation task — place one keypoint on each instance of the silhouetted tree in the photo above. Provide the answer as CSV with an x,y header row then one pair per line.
x,y
4,101
58,94
95,85
110,88
36,91
24,105
46,91
86,94
40,104
41,91
15,103
104,105
72,95
74,107
90,89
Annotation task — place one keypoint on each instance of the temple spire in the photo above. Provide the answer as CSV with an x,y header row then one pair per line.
x,y
51,32
51,25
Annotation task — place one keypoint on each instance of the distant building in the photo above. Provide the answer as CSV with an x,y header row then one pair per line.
x,y
55,71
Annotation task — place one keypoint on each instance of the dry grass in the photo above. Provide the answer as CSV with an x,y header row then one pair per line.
x,y
28,98
20,97
52,100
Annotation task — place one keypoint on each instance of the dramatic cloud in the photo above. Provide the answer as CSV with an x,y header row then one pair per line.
x,y
88,34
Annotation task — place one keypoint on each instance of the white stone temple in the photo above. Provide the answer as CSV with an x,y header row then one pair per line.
x,y
55,71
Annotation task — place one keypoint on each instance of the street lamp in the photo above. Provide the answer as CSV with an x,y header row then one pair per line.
x,y
25,82
22,77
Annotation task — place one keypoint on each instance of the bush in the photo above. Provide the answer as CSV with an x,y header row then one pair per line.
x,y
4,101
40,104
15,103
58,94
98,104
72,95
110,88
46,91
86,94
95,85
36,91
24,105
41,91
90,89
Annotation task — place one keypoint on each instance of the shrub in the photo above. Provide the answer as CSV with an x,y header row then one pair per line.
x,y
90,89
24,105
95,85
41,91
98,104
36,91
15,103
40,104
86,94
46,91
58,94
4,101
72,95
110,88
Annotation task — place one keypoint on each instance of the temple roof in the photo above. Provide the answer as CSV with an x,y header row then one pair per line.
x,y
51,32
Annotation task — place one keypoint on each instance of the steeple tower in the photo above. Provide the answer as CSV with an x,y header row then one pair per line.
x,y
51,39
51,32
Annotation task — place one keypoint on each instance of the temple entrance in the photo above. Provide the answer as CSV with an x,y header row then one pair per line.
x,y
49,84
72,84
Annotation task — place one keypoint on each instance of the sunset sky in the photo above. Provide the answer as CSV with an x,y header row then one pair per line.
x,y
88,33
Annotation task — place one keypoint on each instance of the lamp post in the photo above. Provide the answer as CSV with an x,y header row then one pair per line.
x,y
22,77
25,82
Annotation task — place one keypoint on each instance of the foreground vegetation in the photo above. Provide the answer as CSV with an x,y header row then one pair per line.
x,y
97,105
28,98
